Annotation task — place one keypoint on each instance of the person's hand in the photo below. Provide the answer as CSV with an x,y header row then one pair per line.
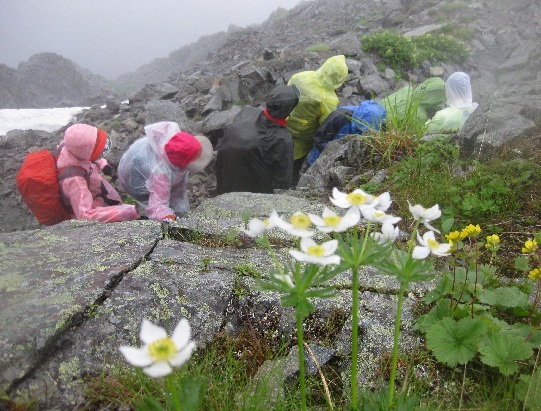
x,y
169,218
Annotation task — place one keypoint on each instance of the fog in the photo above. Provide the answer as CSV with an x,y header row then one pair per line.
x,y
112,37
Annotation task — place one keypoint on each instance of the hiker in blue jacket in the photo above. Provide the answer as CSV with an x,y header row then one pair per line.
x,y
347,120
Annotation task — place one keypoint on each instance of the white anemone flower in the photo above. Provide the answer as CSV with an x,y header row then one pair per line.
x,y
257,227
382,202
389,233
330,221
297,226
159,351
425,215
428,245
378,216
314,253
356,198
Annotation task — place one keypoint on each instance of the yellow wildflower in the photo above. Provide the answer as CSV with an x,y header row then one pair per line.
x,y
535,274
493,242
453,238
529,247
470,231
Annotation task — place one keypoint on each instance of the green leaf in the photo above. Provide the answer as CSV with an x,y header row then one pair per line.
x,y
533,334
502,350
440,311
521,264
447,224
504,297
455,342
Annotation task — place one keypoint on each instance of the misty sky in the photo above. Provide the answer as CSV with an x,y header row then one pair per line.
x,y
112,37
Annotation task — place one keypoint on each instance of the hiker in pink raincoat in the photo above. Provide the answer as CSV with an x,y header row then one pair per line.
x,y
154,170
95,198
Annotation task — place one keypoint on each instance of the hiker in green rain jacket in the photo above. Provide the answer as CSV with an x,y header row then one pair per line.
x,y
425,100
318,100
459,106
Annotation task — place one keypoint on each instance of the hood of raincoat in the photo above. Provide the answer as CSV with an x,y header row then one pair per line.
x,y
80,139
158,135
458,90
332,73
282,100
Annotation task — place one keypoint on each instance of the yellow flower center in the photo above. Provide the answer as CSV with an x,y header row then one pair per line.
x,y
163,349
357,198
300,221
332,220
266,222
316,250
433,244
379,214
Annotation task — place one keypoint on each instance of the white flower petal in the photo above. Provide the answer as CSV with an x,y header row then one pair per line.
x,y
136,356
350,219
420,253
333,259
182,356
429,235
442,250
160,369
317,220
339,199
327,212
425,223
151,332
306,242
181,334
432,213
298,255
255,227
383,201
330,247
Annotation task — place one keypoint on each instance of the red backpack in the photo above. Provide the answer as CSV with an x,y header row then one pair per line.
x,y
37,181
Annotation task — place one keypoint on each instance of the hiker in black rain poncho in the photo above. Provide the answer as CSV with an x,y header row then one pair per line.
x,y
256,152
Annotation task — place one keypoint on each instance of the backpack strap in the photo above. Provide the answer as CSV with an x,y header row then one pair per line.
x,y
69,171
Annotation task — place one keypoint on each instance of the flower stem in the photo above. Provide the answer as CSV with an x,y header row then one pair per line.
x,y
171,388
395,343
301,361
354,335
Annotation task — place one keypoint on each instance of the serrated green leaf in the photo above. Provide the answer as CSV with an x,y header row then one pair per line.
x,y
502,350
455,342
503,297
533,334
441,310
521,264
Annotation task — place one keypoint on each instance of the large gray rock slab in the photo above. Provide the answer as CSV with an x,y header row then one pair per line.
x,y
51,278
216,217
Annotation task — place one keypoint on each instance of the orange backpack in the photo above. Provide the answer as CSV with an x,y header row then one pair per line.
x,y
37,181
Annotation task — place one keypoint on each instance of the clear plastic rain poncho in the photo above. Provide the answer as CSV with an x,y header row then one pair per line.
x,y
147,175
318,100
460,105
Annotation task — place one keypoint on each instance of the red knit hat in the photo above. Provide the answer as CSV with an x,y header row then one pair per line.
x,y
182,149
101,139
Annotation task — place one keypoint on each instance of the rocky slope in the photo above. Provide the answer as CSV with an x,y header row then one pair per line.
x,y
49,80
